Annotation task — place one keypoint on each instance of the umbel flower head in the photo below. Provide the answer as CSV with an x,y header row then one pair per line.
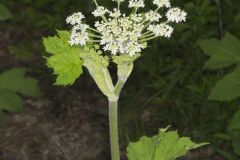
x,y
121,34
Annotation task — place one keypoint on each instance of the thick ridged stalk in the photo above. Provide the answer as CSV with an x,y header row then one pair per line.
x,y
113,127
113,122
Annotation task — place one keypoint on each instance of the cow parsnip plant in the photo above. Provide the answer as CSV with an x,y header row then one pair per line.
x,y
119,38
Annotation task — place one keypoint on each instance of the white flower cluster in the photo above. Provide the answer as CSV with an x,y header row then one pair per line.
x,y
115,14
136,3
120,34
162,30
176,15
153,16
162,3
79,34
75,18
100,11
118,0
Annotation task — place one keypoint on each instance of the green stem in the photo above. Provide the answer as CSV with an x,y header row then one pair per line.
x,y
148,39
118,3
147,36
113,126
94,30
94,36
103,17
113,122
119,87
147,32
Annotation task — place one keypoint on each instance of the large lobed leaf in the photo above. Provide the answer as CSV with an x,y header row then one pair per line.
x,y
13,83
65,59
4,13
10,102
223,54
164,146
67,62
227,88
235,122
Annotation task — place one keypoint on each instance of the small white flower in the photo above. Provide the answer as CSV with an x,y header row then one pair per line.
x,y
162,3
116,13
113,47
162,30
153,16
176,15
80,28
136,3
120,35
121,0
118,0
136,17
75,18
79,35
134,48
100,11
79,38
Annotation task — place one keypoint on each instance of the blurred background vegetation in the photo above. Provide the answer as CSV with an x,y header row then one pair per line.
x,y
170,85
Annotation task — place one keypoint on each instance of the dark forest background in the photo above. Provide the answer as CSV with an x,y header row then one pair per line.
x,y
170,85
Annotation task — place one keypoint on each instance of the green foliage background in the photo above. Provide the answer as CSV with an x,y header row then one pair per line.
x,y
171,82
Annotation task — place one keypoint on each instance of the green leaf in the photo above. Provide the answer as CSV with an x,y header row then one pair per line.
x,y
5,14
235,137
67,67
236,145
58,44
10,102
14,81
65,59
222,53
227,88
235,122
164,146
222,136
21,51
143,149
226,154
